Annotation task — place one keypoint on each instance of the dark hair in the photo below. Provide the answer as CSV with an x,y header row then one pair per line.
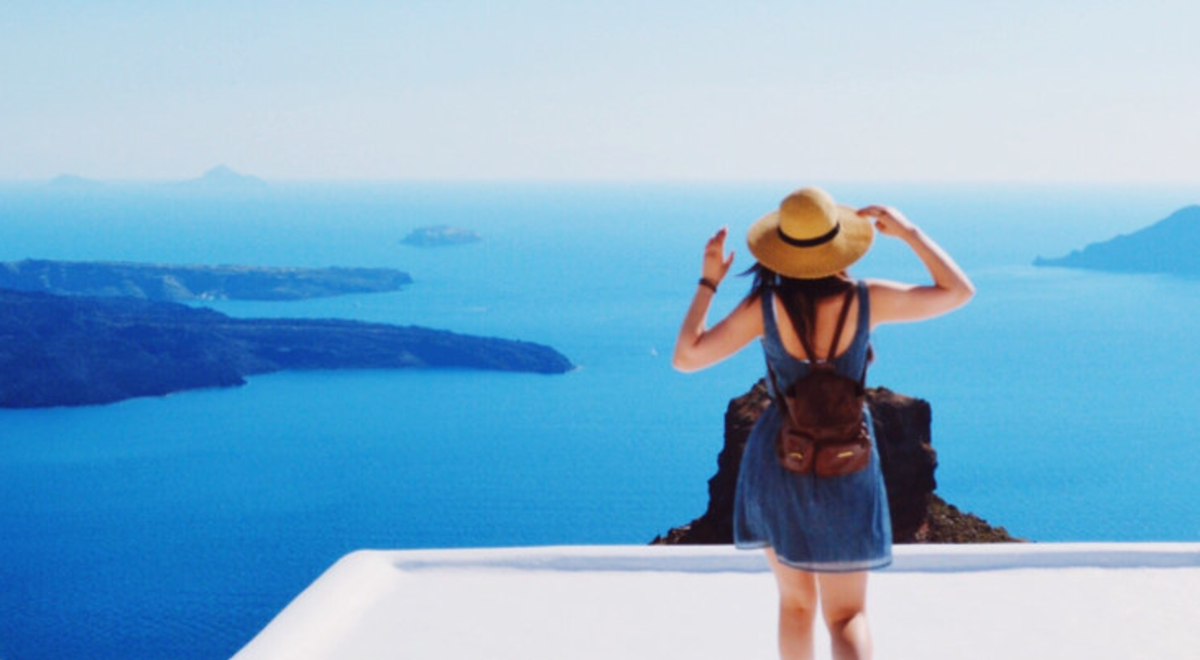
x,y
799,297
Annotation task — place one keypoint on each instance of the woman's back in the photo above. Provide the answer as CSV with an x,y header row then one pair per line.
x,y
786,353
828,309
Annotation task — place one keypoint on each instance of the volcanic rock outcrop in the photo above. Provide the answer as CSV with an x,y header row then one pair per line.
x,y
902,430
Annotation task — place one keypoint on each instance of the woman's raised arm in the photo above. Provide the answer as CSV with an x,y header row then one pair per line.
x,y
698,347
894,302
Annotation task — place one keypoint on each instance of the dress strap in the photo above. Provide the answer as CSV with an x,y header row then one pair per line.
x,y
770,326
864,309
864,329
770,336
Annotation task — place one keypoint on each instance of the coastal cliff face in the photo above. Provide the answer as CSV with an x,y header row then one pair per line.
x,y
76,350
902,426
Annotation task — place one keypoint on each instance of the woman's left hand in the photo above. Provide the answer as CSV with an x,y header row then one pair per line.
x,y
888,220
716,262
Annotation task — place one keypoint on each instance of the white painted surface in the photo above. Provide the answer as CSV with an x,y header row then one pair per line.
x,y
1060,601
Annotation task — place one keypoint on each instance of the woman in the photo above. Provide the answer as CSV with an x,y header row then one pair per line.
x,y
821,534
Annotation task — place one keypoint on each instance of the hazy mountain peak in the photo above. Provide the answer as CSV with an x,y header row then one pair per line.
x,y
73,181
224,176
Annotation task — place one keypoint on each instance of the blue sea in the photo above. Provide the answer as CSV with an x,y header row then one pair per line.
x,y
1066,403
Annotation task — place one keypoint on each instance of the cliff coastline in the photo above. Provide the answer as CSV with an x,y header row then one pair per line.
x,y
1168,246
81,350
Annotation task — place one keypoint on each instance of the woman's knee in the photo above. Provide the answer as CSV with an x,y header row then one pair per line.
x,y
843,599
842,618
798,604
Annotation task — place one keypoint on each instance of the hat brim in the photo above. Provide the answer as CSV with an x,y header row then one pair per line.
x,y
852,241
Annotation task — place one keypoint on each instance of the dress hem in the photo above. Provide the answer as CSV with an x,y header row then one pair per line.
x,y
822,566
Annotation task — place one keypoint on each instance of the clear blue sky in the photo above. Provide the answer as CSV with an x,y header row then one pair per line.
x,y
604,89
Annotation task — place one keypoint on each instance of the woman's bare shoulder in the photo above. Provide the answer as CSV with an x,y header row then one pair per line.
x,y
899,302
749,312
727,337
875,282
886,287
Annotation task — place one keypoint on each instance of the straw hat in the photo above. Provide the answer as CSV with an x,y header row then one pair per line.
x,y
810,236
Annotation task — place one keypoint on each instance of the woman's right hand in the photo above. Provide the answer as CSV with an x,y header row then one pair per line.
x,y
889,221
716,263
699,346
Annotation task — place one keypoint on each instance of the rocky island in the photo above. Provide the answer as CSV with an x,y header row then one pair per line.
x,y
902,430
183,283
80,350
1168,246
223,179
73,182
440,236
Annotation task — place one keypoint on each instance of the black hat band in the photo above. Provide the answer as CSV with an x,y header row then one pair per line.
x,y
809,242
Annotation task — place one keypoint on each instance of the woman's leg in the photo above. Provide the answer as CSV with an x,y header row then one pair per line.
x,y
797,609
844,607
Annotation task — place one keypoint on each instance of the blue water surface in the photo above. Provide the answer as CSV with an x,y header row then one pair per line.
x,y
1065,403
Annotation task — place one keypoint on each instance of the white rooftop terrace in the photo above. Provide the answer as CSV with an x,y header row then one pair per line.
x,y
1060,601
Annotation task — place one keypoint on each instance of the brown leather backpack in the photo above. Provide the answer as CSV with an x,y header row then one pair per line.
x,y
824,430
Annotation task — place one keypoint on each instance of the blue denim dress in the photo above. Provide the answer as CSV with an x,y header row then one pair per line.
x,y
819,524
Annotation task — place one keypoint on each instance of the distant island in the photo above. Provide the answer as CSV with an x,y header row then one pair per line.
x,y
80,350
184,283
221,178
1168,246
218,179
73,182
440,236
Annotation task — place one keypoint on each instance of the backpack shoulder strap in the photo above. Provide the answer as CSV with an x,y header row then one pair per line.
x,y
841,324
